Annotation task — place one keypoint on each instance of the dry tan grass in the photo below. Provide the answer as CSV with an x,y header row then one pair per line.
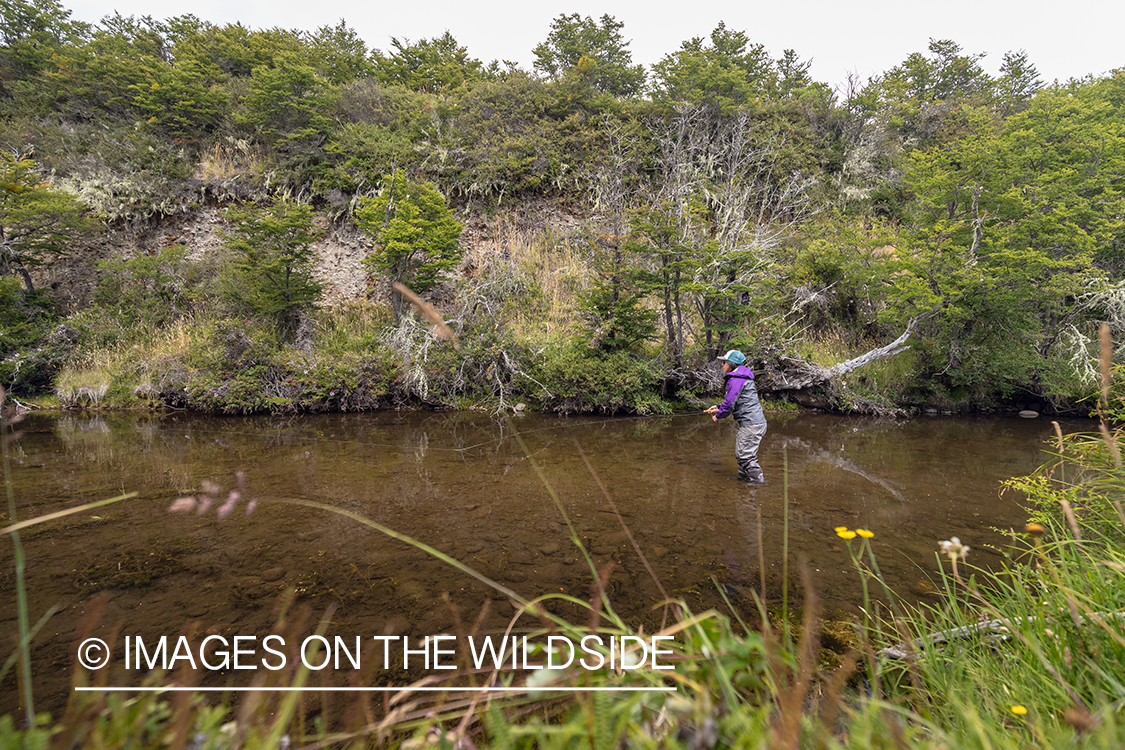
x,y
559,270
88,379
229,159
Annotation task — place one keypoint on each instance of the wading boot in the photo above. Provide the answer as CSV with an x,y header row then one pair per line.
x,y
751,475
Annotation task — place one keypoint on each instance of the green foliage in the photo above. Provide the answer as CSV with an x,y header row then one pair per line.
x,y
21,319
352,381
1001,186
153,290
287,106
594,51
1057,596
1085,473
37,221
576,378
945,75
101,77
121,173
230,364
339,54
1009,222
840,275
287,100
29,355
726,74
365,151
917,93
1018,83
512,138
235,50
185,101
275,257
414,230
433,65
615,314
659,235
32,32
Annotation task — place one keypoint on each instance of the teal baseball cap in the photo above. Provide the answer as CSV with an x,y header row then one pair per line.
x,y
734,356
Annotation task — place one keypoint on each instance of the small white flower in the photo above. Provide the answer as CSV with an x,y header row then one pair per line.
x,y
954,549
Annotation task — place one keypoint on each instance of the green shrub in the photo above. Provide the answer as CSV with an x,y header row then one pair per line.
x,y
230,366
575,378
151,290
351,381
31,352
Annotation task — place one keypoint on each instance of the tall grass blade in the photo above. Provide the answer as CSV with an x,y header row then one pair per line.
x,y
625,526
16,527
427,311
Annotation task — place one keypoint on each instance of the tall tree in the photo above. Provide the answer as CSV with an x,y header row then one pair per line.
x,y
275,257
32,32
1018,82
431,65
1014,225
415,233
917,95
339,54
593,50
37,222
613,305
726,74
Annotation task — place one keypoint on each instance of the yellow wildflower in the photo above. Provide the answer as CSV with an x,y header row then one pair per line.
x,y
1019,710
838,529
865,533
846,534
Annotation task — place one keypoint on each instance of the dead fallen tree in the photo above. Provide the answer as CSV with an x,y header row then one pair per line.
x,y
813,386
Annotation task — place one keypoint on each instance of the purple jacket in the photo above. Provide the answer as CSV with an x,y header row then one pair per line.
x,y
741,397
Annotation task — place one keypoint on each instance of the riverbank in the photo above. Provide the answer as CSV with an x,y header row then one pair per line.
x,y
355,358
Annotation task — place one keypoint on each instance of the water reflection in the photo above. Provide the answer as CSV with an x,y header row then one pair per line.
x,y
462,483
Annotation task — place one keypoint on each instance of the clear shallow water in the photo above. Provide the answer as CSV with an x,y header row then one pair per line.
x,y
461,483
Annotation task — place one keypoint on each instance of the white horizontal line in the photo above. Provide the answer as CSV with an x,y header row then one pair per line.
x,y
123,688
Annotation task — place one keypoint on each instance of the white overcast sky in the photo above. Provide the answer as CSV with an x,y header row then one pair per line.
x,y
864,37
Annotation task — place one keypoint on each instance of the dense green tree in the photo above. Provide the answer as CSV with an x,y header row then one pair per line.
x,y
415,233
102,76
339,54
432,65
593,50
153,289
31,33
273,247
945,75
793,74
1011,225
288,107
286,101
1017,84
727,74
37,222
916,95
233,49
184,99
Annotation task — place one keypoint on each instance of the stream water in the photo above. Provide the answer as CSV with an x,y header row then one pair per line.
x,y
464,484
